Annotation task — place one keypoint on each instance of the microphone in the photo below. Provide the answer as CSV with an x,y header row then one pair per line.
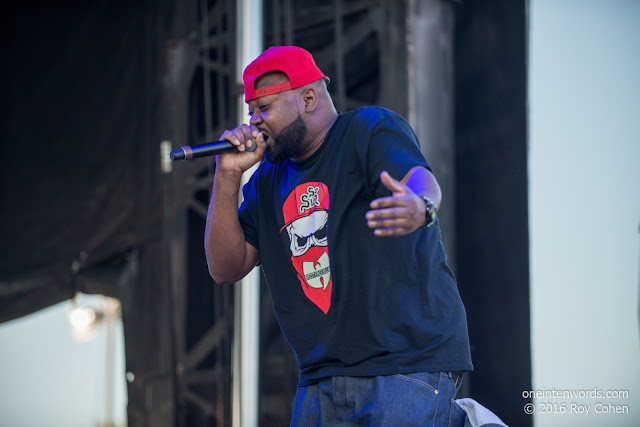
x,y
204,150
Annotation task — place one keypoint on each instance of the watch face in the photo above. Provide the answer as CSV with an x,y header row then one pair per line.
x,y
430,211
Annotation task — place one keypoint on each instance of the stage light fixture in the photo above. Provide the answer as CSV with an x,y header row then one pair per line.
x,y
83,319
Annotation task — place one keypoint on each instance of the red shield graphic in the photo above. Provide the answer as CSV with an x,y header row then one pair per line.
x,y
305,215
314,274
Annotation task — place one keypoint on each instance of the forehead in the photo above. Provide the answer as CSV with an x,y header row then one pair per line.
x,y
268,99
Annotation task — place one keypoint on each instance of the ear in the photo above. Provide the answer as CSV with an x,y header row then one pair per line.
x,y
309,99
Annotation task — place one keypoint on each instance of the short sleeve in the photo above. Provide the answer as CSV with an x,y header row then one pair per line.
x,y
247,212
391,146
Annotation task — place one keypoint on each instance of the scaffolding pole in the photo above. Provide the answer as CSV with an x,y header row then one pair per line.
x,y
246,347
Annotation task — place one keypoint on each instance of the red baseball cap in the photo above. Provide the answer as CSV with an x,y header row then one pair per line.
x,y
295,62
304,200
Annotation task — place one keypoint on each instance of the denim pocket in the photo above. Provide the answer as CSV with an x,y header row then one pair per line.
x,y
428,380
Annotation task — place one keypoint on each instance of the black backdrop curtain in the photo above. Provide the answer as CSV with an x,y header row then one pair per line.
x,y
79,163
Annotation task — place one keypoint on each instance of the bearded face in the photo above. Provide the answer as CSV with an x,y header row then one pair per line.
x,y
288,142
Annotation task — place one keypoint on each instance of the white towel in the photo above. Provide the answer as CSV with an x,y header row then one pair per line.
x,y
478,415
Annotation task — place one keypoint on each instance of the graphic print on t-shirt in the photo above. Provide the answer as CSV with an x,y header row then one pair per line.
x,y
306,213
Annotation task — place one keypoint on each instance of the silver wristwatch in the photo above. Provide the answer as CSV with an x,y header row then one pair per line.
x,y
430,212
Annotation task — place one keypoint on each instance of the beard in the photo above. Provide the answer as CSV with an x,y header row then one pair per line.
x,y
288,143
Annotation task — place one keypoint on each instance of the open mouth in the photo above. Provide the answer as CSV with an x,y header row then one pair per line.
x,y
264,134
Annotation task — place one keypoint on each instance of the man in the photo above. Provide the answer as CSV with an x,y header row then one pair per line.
x,y
342,219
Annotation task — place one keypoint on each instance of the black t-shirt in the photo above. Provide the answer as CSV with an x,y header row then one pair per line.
x,y
351,303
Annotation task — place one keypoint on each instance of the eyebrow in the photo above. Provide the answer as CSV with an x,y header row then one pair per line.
x,y
265,102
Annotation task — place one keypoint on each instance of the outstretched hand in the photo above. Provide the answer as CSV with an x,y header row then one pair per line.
x,y
396,215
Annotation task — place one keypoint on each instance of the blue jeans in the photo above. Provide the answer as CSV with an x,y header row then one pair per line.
x,y
419,399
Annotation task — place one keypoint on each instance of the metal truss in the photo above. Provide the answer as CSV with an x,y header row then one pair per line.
x,y
359,44
202,310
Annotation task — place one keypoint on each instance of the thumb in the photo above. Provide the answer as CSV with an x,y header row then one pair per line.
x,y
394,185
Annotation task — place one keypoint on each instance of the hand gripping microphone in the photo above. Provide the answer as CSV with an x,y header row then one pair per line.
x,y
205,150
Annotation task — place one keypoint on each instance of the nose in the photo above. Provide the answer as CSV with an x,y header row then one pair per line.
x,y
255,119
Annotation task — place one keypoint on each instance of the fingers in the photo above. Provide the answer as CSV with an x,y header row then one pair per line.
x,y
251,146
390,217
260,141
389,222
392,231
242,137
391,201
396,187
392,184
401,194
396,215
391,227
